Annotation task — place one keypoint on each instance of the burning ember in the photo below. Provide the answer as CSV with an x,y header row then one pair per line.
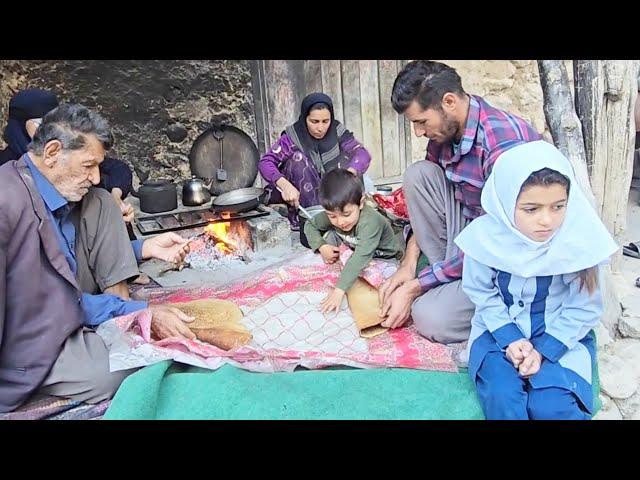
x,y
221,243
219,233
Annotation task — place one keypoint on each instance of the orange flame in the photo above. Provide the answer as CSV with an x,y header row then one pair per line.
x,y
220,231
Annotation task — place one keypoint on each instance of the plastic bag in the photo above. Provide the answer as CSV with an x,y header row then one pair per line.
x,y
394,203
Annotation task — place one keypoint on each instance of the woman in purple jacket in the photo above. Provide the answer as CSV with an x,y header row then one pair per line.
x,y
305,151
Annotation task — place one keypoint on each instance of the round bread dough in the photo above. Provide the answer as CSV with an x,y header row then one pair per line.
x,y
216,322
211,313
364,304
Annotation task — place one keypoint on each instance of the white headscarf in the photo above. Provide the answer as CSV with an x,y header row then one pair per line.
x,y
582,241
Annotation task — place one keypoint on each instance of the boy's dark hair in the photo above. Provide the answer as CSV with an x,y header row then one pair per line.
x,y
426,82
339,188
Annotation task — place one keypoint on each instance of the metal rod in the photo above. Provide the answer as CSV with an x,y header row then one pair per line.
x,y
302,209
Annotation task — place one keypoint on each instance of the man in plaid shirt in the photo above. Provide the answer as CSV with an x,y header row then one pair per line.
x,y
466,136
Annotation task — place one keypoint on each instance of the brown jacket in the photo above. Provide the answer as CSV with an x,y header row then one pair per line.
x,y
39,295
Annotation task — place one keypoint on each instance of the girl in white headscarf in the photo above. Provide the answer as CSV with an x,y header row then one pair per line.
x,y
531,269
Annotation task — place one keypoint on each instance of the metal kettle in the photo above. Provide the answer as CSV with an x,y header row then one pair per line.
x,y
195,192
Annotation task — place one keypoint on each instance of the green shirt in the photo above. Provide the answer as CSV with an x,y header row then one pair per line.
x,y
371,237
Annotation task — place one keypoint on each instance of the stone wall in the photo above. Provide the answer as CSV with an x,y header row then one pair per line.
x,y
512,85
157,107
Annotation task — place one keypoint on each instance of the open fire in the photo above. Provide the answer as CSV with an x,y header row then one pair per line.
x,y
221,242
219,233
224,250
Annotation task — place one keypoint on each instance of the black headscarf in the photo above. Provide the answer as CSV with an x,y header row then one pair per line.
x,y
325,153
36,103
25,105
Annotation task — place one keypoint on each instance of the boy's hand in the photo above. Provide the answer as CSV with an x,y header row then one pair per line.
x,y
531,364
333,301
329,253
517,351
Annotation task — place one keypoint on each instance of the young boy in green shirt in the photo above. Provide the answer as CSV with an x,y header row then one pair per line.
x,y
355,224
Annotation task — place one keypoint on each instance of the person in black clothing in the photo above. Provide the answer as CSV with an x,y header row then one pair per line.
x,y
26,109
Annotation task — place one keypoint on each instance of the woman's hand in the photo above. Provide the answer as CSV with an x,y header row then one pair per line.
x,y
290,194
125,208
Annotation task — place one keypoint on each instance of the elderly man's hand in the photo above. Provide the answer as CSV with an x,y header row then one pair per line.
x,y
169,247
125,208
169,321
397,308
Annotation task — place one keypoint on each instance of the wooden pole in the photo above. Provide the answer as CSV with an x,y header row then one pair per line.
x,y
606,91
596,133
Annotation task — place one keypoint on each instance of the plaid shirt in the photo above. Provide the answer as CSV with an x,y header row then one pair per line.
x,y
489,132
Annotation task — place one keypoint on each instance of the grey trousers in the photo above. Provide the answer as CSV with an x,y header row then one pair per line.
x,y
81,371
103,249
105,258
442,314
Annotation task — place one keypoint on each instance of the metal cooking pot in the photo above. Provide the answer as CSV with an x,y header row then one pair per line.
x,y
240,200
157,196
195,192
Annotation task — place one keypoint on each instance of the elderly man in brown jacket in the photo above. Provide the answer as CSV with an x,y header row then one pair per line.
x,y
53,225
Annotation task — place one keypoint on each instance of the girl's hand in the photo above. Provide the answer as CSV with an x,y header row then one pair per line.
x,y
531,364
517,351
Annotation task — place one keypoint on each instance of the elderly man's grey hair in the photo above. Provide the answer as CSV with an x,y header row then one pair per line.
x,y
70,123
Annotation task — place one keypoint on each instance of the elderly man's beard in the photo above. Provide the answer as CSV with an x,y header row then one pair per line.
x,y
70,189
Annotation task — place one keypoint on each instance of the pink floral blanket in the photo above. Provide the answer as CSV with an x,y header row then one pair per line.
x,y
281,311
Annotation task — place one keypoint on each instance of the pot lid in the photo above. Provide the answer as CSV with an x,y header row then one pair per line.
x,y
239,158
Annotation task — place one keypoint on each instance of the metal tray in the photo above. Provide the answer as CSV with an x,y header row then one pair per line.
x,y
167,222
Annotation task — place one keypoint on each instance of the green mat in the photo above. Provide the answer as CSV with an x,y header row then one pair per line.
x,y
174,391
170,390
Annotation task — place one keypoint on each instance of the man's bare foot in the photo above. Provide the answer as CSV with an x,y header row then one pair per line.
x,y
142,279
